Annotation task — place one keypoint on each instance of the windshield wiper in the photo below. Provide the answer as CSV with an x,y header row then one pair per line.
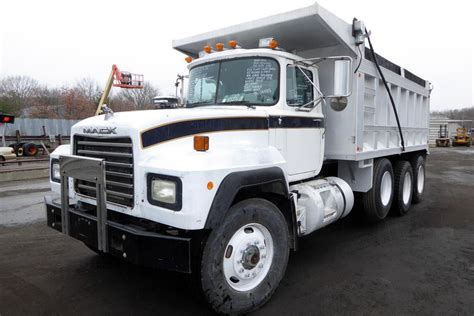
x,y
242,102
191,105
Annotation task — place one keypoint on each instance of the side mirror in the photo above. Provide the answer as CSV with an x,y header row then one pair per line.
x,y
338,104
336,80
342,77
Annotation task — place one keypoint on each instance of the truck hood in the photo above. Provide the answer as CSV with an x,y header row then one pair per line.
x,y
140,121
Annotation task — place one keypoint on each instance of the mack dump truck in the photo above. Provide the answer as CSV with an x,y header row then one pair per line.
x,y
288,120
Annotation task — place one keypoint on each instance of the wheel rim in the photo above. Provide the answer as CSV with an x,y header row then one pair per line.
x,y
248,257
420,180
407,189
386,188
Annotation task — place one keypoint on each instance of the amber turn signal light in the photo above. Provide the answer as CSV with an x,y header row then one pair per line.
x,y
188,59
210,185
208,49
201,143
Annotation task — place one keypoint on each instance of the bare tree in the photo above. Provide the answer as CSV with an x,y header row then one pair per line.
x,y
90,89
18,91
139,98
46,103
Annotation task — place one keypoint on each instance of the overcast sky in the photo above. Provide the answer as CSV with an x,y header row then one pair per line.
x,y
58,42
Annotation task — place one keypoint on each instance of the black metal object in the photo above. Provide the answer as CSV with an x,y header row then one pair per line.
x,y
133,242
118,155
387,64
412,77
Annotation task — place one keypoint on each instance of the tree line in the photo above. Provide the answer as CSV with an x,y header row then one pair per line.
x,y
457,114
24,96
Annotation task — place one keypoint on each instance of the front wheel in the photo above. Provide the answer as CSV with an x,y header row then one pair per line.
x,y
245,258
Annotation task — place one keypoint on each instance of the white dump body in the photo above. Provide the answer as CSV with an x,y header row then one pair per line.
x,y
367,127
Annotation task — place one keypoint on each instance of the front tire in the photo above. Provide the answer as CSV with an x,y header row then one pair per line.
x,y
245,258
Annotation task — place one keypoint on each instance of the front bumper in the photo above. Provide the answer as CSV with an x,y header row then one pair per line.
x,y
139,241
124,239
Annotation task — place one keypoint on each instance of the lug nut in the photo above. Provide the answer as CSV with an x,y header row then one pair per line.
x,y
125,255
124,237
241,270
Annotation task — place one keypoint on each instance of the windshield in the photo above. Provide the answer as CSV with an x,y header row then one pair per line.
x,y
247,81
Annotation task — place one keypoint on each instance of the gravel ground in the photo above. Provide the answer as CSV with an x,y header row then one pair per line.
x,y
422,263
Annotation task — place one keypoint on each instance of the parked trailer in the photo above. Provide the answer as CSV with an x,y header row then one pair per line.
x,y
287,119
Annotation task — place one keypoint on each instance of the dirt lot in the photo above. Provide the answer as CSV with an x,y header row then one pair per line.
x,y
422,263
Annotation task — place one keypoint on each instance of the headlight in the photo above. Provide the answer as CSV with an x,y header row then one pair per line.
x,y
164,191
55,173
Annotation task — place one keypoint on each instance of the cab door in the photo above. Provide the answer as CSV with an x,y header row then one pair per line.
x,y
304,130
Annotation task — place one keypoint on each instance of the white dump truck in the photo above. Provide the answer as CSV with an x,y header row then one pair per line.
x,y
288,120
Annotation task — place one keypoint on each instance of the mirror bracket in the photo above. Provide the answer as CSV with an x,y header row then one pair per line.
x,y
309,62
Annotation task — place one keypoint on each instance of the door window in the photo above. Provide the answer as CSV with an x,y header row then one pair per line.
x,y
299,90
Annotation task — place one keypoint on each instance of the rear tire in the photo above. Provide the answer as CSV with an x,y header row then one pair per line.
x,y
419,178
245,258
403,187
378,200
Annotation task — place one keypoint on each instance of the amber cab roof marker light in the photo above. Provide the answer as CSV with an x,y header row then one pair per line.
x,y
233,44
268,42
219,47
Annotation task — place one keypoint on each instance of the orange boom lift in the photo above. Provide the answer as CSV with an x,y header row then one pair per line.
x,y
121,79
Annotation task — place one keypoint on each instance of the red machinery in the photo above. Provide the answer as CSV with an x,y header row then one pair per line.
x,y
120,79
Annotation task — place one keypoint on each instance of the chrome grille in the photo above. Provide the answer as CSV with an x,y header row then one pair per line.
x,y
118,154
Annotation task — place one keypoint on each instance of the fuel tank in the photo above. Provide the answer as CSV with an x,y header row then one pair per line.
x,y
322,202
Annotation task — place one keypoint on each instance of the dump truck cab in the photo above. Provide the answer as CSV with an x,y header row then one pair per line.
x,y
271,83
